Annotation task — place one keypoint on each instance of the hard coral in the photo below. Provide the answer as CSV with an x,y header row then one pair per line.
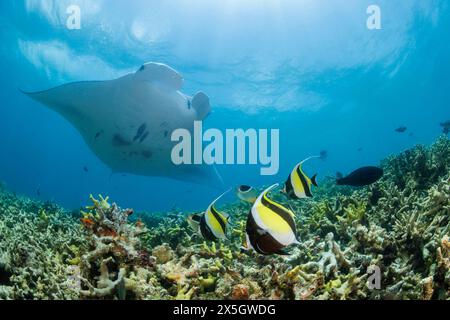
x,y
394,233
114,250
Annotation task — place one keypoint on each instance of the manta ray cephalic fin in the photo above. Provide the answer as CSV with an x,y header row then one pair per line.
x,y
200,102
160,73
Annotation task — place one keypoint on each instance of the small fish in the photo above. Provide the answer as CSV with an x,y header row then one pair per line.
x,y
445,126
247,193
194,221
401,129
85,169
361,177
360,149
270,226
298,185
323,154
212,224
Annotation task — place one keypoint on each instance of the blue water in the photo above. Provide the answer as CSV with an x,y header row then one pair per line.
x,y
309,68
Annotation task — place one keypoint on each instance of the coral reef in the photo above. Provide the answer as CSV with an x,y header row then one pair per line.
x,y
390,240
114,251
37,244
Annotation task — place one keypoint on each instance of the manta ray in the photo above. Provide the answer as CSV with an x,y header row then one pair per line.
x,y
128,122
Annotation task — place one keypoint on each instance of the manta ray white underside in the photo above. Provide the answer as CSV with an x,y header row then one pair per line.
x,y
128,122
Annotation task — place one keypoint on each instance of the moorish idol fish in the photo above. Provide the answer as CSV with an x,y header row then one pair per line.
x,y
212,224
298,185
247,193
270,226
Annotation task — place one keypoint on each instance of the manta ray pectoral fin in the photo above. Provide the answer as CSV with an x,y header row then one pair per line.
x,y
160,73
200,103
75,101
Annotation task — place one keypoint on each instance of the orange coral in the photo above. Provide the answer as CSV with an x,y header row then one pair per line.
x,y
240,292
88,223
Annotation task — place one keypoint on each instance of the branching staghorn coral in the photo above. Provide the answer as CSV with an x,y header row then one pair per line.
x,y
398,227
34,250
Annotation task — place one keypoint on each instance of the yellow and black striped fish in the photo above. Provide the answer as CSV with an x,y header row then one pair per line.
x,y
212,224
270,226
298,184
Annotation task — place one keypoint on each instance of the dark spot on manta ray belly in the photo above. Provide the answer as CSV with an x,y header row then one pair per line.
x,y
140,131
98,134
143,137
147,154
119,141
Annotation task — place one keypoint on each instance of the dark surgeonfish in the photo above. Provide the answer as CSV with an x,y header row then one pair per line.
x,y
212,224
401,129
247,193
361,177
270,226
298,184
445,126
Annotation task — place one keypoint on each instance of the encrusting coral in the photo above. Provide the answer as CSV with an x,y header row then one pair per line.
x,y
390,240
